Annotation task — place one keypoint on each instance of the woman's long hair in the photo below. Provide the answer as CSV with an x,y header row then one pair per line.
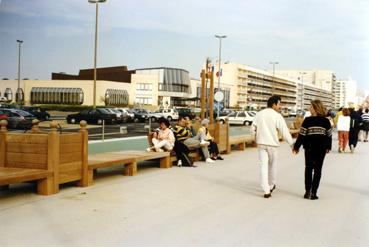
x,y
318,108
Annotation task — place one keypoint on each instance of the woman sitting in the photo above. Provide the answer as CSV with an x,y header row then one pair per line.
x,y
162,138
206,137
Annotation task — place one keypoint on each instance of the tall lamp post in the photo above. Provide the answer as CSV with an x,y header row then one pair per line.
x,y
17,94
302,89
220,37
96,2
274,64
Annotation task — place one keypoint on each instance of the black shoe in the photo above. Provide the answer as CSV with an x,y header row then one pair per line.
x,y
267,195
314,197
271,190
307,195
220,158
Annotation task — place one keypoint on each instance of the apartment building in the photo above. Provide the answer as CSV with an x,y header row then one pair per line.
x,y
345,93
245,86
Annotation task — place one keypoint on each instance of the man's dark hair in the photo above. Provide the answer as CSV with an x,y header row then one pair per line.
x,y
180,118
273,100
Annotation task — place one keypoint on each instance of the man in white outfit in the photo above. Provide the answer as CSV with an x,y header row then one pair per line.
x,y
268,124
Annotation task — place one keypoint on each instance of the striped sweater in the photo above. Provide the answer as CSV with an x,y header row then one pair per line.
x,y
315,134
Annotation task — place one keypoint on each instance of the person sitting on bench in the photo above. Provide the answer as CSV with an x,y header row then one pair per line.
x,y
162,138
183,135
213,146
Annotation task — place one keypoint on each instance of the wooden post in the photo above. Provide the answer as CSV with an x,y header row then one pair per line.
x,y
203,94
83,130
227,142
211,97
35,128
50,185
217,131
3,132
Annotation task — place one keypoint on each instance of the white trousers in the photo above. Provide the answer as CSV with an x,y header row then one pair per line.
x,y
268,166
163,143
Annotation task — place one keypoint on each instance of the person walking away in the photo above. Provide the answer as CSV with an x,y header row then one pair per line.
x,y
316,137
213,146
267,124
163,138
343,127
338,114
355,122
365,125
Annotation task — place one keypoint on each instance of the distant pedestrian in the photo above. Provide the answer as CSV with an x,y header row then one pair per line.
x,y
316,137
355,122
365,125
267,124
343,127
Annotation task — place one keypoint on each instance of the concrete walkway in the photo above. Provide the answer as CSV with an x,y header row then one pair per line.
x,y
211,205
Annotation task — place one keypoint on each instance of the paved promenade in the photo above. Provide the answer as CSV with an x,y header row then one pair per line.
x,y
212,205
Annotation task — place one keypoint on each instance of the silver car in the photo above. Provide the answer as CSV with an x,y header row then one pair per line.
x,y
239,117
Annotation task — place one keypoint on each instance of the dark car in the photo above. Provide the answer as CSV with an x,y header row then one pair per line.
x,y
39,113
18,119
186,112
94,116
140,115
3,116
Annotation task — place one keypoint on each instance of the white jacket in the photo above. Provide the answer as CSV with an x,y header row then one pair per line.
x,y
343,123
267,124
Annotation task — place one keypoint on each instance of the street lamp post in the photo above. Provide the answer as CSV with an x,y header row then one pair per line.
x,y
17,96
95,49
273,63
220,37
302,89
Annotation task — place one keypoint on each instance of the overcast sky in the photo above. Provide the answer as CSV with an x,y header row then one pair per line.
x,y
300,34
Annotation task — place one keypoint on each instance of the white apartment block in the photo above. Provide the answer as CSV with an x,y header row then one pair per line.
x,y
345,92
251,87
323,79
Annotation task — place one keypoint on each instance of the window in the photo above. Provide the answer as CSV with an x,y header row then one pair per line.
x,y
241,114
116,97
54,95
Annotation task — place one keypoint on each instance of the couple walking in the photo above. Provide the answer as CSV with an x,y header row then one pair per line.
x,y
315,135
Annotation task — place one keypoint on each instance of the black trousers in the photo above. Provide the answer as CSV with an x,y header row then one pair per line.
x,y
353,136
313,169
213,148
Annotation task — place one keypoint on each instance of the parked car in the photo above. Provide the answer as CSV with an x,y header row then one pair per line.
x,y
127,114
18,119
39,113
240,117
3,116
225,112
170,114
93,116
140,115
154,116
115,111
186,112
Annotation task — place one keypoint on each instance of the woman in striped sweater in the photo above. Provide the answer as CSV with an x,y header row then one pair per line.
x,y
316,137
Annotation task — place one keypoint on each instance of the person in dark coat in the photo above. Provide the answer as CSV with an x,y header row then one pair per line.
x,y
316,137
355,122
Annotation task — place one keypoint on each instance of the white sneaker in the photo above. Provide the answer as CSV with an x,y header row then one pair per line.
x,y
157,149
204,143
208,160
179,163
148,149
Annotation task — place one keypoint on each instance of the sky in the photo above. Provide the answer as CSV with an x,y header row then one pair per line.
x,y
300,34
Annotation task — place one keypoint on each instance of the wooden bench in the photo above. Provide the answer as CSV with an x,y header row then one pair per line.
x,y
127,158
241,141
50,159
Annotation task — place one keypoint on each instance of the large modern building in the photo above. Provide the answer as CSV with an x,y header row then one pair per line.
x,y
115,86
345,93
245,86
